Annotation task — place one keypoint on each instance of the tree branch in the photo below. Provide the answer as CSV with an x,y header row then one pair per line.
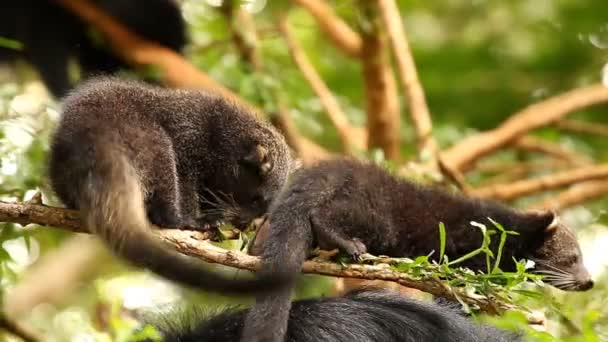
x,y
381,98
517,189
581,127
577,194
463,155
349,135
336,29
17,330
533,144
195,244
419,111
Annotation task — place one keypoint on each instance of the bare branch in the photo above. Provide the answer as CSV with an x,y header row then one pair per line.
x,y
463,155
533,144
582,127
577,194
381,98
530,186
336,29
18,330
195,244
349,135
419,111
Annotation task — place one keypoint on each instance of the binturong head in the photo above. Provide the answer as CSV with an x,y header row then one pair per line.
x,y
559,257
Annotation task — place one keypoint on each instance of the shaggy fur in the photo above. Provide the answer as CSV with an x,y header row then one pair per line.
x,y
362,316
360,208
127,154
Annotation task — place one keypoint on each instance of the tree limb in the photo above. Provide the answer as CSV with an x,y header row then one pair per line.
x,y
510,191
336,29
349,135
582,127
533,144
18,330
381,98
576,195
195,244
463,155
419,111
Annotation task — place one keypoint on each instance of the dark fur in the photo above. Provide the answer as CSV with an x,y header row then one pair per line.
x,y
126,153
363,316
51,35
361,208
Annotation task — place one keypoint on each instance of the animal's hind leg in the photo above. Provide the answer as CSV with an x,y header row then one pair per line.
x,y
328,234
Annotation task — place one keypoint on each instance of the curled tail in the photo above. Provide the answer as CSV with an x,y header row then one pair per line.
x,y
112,205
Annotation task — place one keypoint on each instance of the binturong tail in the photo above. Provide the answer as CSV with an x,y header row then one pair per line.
x,y
286,244
112,205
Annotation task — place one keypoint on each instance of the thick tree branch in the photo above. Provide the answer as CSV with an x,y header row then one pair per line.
x,y
514,190
195,244
419,111
577,194
336,29
463,155
349,135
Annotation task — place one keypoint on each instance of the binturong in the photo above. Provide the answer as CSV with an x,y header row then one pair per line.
x,y
128,155
359,207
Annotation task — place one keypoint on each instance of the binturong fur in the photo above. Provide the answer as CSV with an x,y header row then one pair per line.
x,y
361,316
359,207
128,155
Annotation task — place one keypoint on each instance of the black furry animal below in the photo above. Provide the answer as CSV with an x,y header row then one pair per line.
x,y
51,35
126,154
362,316
359,207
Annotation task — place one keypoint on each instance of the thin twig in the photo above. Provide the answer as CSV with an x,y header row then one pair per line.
x,y
419,111
582,127
17,330
510,191
336,29
533,144
463,155
349,135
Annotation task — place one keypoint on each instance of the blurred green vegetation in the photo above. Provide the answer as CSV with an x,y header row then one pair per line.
x,y
479,61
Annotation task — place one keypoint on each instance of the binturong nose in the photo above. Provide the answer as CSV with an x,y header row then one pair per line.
x,y
585,284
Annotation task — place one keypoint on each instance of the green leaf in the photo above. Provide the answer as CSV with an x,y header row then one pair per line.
x,y
442,241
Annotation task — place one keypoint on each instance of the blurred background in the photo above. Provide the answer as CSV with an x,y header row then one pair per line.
x,y
478,61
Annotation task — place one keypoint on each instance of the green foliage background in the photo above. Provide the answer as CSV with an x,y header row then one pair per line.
x,y
479,61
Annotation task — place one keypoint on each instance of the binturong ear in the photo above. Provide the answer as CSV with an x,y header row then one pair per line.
x,y
545,220
259,158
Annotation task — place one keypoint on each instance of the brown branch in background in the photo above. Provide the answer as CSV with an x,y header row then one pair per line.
x,y
581,127
381,99
56,275
177,71
195,244
511,171
18,330
463,155
517,189
349,135
336,29
576,195
533,144
419,111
